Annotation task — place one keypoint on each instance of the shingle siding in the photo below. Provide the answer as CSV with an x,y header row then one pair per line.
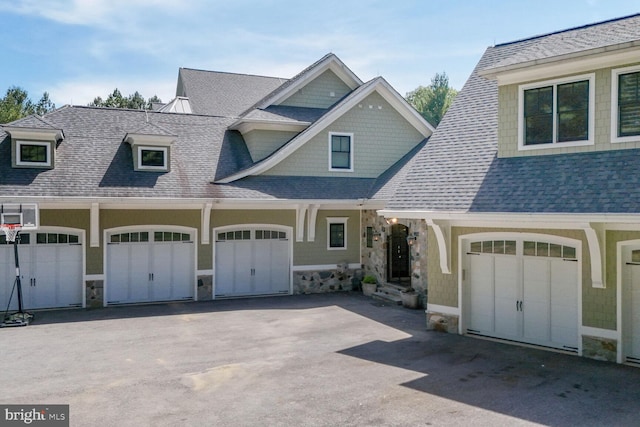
x,y
262,143
317,93
381,138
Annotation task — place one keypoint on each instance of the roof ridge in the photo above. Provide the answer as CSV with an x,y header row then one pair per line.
x,y
580,27
233,73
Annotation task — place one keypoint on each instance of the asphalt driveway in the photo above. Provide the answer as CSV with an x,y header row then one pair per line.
x,y
331,360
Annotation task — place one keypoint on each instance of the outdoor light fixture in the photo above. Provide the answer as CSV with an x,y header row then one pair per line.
x,y
411,239
376,236
391,221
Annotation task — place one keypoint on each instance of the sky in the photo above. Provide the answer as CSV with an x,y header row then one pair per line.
x,y
79,49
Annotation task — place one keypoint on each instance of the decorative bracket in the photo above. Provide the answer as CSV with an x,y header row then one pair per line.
x,y
205,222
595,240
311,225
442,230
301,211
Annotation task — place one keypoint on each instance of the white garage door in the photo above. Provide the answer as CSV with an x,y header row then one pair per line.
x,y
252,261
631,303
50,270
523,290
149,266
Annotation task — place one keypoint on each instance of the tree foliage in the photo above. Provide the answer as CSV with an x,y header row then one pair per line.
x,y
433,101
16,104
116,100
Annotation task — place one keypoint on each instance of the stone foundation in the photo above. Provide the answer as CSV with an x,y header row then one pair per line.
x,y
95,293
205,288
442,322
341,278
599,348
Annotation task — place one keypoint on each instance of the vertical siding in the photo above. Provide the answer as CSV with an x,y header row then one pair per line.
x,y
261,143
381,138
317,93
508,120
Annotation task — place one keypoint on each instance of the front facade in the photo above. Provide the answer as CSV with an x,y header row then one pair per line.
x,y
533,224
241,186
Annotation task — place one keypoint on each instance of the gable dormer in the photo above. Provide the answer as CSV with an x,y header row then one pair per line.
x,y
151,148
33,142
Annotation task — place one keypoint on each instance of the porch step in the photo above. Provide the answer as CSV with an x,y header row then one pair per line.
x,y
389,293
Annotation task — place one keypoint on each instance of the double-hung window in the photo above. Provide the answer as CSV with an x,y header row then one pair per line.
x,y
341,152
336,233
625,104
556,112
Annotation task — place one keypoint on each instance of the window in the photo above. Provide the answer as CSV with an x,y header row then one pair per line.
x,y
559,112
625,104
32,153
369,237
336,233
341,152
152,158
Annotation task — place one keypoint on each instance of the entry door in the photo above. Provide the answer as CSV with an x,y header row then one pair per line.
x,y
398,255
631,304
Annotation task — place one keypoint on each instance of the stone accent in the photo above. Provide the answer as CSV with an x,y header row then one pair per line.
x,y
442,322
342,278
205,287
599,348
95,293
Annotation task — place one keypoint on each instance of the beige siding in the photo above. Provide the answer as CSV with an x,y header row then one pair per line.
x,y
598,305
316,253
261,143
381,136
508,121
318,92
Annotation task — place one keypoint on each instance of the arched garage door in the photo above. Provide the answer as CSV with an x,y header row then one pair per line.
x,y
252,261
523,289
150,264
51,270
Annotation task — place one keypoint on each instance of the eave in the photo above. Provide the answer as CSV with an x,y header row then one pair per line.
x,y
34,133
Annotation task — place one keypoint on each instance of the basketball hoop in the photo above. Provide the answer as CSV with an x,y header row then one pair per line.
x,y
10,231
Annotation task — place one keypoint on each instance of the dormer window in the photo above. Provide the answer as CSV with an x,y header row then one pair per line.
x,y
33,154
152,158
151,148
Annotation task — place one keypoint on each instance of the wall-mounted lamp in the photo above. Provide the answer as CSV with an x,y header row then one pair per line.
x,y
391,221
411,238
376,236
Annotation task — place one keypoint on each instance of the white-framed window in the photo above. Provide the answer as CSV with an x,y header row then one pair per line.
x,y
625,104
340,152
152,158
33,153
337,233
556,113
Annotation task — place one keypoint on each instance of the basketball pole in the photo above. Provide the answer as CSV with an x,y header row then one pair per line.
x,y
21,318
18,283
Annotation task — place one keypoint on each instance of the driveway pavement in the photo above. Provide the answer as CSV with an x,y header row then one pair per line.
x,y
315,360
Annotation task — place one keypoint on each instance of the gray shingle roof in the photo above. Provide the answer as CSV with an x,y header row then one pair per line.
x,y
281,113
458,170
151,129
224,94
33,121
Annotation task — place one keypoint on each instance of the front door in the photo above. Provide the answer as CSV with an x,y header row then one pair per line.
x,y
398,254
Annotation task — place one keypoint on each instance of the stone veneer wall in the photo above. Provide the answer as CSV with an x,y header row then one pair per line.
x,y
599,348
342,278
205,287
374,260
95,293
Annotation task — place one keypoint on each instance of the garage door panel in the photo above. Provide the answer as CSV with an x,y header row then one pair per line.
x,y
182,277
279,269
138,281
506,314
536,293
118,272
162,272
482,293
8,277
225,267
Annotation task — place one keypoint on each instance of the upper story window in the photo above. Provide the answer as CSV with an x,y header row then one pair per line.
x,y
556,112
625,104
152,158
341,152
336,233
33,154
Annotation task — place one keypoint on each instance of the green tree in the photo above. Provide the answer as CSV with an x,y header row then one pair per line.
x,y
44,105
434,100
16,104
115,100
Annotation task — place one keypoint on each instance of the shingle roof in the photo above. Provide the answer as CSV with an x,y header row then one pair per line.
x,y
33,121
151,129
224,94
281,113
458,170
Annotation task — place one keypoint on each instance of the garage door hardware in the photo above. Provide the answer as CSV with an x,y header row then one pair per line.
x,y
518,305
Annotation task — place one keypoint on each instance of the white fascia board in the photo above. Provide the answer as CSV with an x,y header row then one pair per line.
x,y
154,140
245,126
381,86
331,62
34,133
571,63
513,219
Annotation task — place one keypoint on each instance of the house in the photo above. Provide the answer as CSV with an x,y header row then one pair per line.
x,y
529,188
242,185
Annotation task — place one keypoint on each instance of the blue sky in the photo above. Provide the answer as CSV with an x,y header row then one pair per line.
x,y
79,49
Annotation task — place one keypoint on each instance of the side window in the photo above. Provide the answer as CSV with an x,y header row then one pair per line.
x,y
341,152
625,103
336,233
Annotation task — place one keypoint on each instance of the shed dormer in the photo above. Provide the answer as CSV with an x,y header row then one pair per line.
x,y
151,148
33,142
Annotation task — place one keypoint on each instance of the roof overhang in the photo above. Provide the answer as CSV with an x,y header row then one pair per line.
x,y
143,139
34,133
245,126
570,63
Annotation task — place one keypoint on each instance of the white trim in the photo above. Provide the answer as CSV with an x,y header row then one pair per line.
x,y
205,223
149,227
164,151
337,220
88,277
20,162
352,266
301,211
444,309
330,156
595,240
204,272
554,83
599,333
312,223
442,230
379,85
94,225
244,125
615,73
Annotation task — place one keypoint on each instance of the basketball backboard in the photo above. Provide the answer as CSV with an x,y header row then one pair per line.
x,y
24,214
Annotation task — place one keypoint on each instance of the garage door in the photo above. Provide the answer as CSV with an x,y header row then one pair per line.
x,y
523,290
631,303
50,270
252,261
150,265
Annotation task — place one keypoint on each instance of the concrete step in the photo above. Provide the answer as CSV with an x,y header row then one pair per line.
x,y
390,298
